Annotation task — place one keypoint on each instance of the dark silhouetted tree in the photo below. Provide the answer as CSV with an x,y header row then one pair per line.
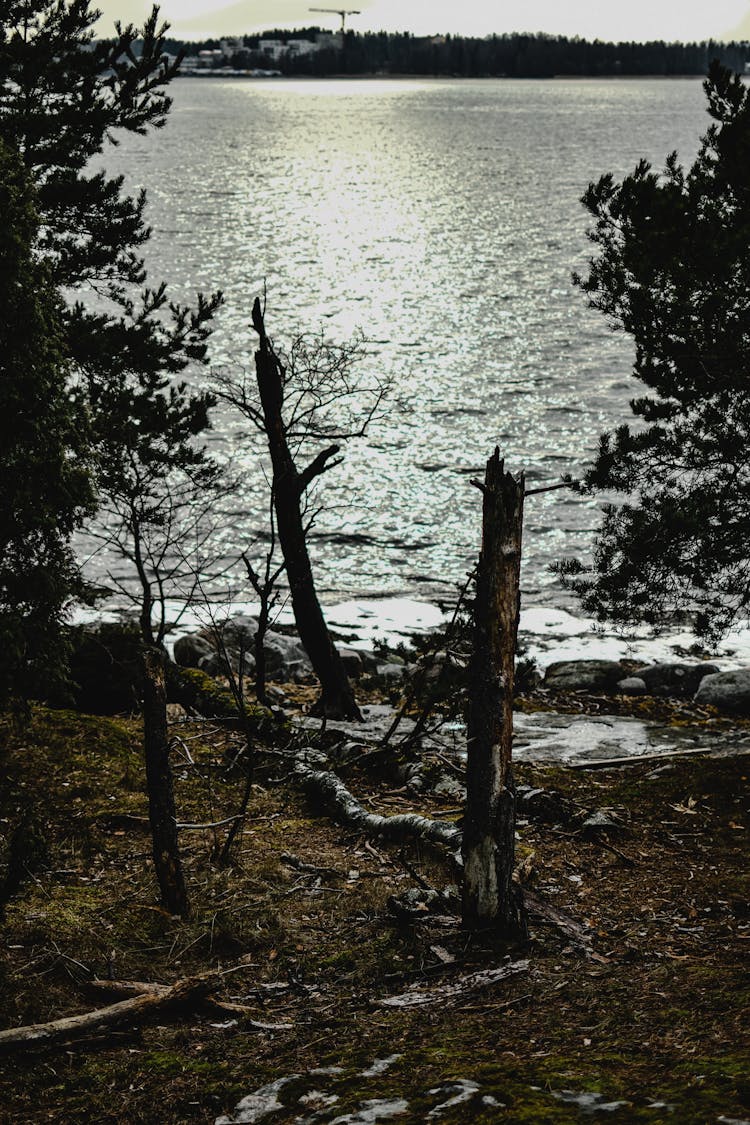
x,y
43,456
673,271
64,98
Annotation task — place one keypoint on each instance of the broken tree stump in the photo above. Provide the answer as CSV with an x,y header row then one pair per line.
x,y
490,899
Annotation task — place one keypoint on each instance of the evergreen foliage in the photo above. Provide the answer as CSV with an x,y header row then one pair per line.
x,y
45,485
64,98
673,271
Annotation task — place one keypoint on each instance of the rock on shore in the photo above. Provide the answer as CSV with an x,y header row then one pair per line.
x,y
727,691
213,649
702,681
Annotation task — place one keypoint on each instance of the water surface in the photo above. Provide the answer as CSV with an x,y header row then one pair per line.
x,y
442,219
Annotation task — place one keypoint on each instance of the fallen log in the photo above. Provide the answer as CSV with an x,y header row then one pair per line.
x,y
143,1002
331,792
455,990
327,788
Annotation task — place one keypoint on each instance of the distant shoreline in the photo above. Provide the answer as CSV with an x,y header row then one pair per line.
x,y
247,77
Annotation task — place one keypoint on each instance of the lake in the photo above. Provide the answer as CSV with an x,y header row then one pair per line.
x,y
441,219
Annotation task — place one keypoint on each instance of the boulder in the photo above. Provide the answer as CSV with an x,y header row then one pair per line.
x,y
286,658
393,673
199,650
727,691
584,675
632,685
191,650
370,661
678,680
239,631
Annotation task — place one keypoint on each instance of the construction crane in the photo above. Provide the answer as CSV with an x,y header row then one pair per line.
x,y
343,12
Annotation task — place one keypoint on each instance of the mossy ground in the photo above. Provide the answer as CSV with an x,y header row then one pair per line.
x,y
661,1017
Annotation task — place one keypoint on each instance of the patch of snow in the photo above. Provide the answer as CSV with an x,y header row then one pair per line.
x,y
548,736
463,1090
255,1107
380,1066
390,620
375,1109
547,634
588,1103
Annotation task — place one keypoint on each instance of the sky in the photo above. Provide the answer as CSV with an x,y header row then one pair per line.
x,y
637,19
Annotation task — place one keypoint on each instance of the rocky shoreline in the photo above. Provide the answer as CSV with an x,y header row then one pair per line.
x,y
702,682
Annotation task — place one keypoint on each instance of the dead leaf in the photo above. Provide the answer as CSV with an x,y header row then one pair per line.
x,y
686,810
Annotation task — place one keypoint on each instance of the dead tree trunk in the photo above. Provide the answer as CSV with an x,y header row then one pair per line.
x,y
490,901
161,806
289,486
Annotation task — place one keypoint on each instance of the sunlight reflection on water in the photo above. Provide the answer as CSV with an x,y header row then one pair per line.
x,y
443,220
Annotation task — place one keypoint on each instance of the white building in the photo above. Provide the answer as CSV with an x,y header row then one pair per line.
x,y
232,46
301,47
274,48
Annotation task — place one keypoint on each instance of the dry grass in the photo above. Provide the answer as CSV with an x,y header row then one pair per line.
x,y
662,1019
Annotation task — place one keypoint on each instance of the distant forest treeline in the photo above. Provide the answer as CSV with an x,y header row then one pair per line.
x,y
513,56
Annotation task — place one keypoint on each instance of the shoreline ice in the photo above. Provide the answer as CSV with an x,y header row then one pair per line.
x,y
545,633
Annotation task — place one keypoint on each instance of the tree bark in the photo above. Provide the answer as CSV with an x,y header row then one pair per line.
x,y
161,806
490,900
337,698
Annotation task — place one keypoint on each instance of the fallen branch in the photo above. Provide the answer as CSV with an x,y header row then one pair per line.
x,y
658,756
215,824
567,926
309,868
455,990
185,993
146,988
143,1002
334,796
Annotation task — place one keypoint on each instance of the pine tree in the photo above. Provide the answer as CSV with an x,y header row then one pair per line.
x,y
673,271
45,484
64,98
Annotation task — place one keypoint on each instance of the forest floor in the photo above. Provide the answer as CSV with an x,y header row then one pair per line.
x,y
649,1023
